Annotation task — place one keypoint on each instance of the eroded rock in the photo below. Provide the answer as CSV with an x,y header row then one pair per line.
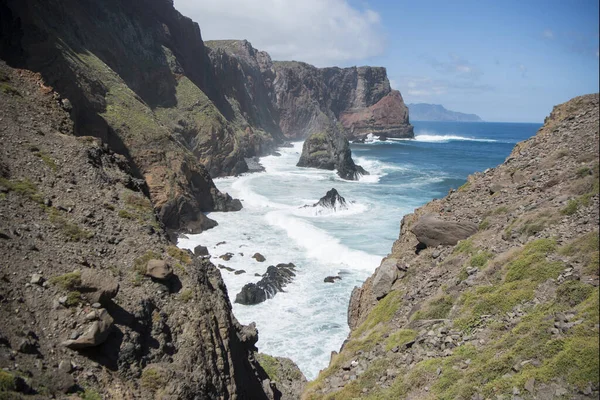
x,y
433,231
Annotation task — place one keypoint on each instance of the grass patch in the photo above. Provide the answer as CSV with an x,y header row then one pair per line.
x,y
533,224
179,254
152,379
480,259
7,381
383,312
573,292
68,281
484,225
399,338
72,231
464,186
270,365
49,161
73,298
125,214
583,172
7,89
570,208
585,250
186,295
23,188
438,308
464,247
90,394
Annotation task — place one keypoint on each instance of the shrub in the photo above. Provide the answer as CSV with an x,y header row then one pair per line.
x,y
68,281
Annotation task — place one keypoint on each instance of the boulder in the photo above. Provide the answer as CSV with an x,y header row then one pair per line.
x,y
201,251
432,231
226,256
97,287
331,200
96,334
271,283
158,269
385,276
259,257
331,279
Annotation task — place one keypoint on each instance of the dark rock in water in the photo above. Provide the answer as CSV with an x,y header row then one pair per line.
x,y
286,144
359,140
239,272
333,200
226,256
254,165
200,251
331,279
259,257
383,138
276,154
272,282
330,150
432,231
220,243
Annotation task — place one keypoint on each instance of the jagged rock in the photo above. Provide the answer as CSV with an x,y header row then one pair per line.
x,y
259,257
331,200
36,279
201,251
331,279
385,276
96,334
272,282
97,287
226,256
433,231
330,150
158,269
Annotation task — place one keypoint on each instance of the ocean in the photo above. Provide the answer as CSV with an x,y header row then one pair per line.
x,y
309,320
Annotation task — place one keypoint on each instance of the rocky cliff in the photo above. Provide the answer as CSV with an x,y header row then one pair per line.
x,y
492,291
96,302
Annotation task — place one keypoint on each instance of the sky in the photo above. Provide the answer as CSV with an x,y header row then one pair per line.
x,y
509,61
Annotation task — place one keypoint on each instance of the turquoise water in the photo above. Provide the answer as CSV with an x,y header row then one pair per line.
x,y
308,321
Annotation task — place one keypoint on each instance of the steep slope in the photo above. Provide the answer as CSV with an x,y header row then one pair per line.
x,y
82,311
437,112
492,291
134,74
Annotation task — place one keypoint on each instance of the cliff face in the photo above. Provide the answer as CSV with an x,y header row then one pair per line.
x,y
491,291
82,311
310,99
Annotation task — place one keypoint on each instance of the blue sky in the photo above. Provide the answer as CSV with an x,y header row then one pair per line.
x,y
505,61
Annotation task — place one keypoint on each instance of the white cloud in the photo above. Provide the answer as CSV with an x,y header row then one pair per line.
x,y
315,31
548,34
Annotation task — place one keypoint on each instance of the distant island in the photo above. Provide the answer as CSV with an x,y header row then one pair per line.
x,y
437,112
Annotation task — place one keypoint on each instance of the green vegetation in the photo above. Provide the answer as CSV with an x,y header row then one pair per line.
x,y
186,295
152,379
464,247
7,89
533,224
583,172
437,308
484,224
464,187
180,255
72,231
270,365
90,394
49,161
23,188
383,312
139,264
571,207
7,381
480,259
399,337
125,214
572,293
68,281
137,208
500,210
585,250
73,298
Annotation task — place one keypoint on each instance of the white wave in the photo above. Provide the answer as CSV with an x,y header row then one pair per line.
x,y
244,191
320,245
431,138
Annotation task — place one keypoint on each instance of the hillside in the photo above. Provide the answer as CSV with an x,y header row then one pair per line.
x,y
437,112
492,291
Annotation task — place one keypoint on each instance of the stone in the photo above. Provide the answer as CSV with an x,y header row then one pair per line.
x,y
226,256
28,345
98,287
331,279
331,201
200,251
36,279
433,231
65,366
158,269
96,334
530,385
259,257
385,276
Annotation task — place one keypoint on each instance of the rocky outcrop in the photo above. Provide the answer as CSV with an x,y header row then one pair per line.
x,y
134,74
330,150
73,216
432,231
332,200
481,264
272,282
